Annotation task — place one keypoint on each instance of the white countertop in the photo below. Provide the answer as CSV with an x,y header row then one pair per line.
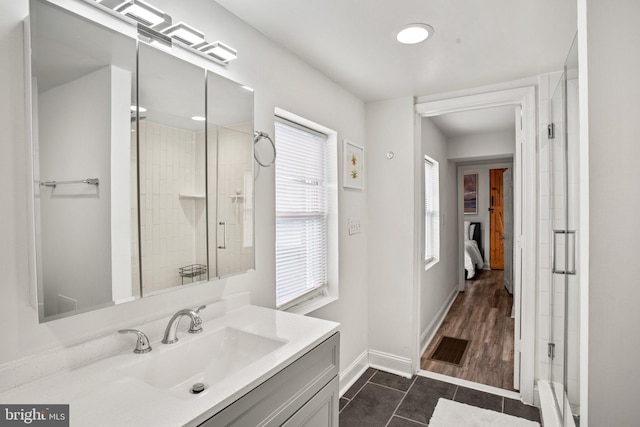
x,y
100,394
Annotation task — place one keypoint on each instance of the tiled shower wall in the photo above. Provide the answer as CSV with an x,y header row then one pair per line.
x,y
235,197
172,204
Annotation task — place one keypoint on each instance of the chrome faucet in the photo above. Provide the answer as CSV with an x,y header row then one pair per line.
x,y
142,344
171,333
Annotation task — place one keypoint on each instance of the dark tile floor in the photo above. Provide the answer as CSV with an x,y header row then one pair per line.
x,y
378,398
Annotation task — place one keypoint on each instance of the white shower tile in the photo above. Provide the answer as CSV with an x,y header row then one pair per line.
x,y
544,325
545,300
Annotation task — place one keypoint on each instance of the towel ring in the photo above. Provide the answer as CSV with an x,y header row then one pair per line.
x,y
257,136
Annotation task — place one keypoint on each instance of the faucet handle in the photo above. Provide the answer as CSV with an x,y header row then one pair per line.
x,y
196,323
142,344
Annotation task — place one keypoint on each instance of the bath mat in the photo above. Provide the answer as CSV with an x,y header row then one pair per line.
x,y
450,350
454,414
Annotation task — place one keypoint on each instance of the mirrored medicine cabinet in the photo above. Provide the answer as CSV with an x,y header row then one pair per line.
x,y
142,167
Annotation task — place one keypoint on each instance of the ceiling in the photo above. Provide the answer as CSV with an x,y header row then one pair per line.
x,y
479,121
475,43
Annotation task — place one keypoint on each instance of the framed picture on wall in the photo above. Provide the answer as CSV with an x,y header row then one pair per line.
x,y
470,191
353,166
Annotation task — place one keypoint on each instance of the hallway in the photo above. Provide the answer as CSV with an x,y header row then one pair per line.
x,y
482,315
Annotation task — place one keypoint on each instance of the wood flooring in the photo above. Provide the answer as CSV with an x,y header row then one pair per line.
x,y
482,315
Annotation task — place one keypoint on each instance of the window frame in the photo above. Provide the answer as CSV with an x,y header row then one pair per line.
x,y
431,212
316,297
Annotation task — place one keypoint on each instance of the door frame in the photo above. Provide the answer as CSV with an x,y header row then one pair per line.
x,y
525,205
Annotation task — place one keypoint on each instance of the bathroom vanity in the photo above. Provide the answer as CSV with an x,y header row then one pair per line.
x,y
142,159
303,393
258,367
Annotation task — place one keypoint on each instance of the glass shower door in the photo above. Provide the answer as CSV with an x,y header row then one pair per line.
x,y
564,310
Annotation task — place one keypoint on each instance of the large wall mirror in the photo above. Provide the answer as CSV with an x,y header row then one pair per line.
x,y
142,163
230,145
172,170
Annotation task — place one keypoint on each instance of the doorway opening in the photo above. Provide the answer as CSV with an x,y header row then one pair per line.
x,y
516,349
482,313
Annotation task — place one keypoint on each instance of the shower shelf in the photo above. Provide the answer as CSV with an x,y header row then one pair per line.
x,y
192,272
192,196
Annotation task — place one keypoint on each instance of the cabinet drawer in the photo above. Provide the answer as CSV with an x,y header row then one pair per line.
x,y
277,399
320,411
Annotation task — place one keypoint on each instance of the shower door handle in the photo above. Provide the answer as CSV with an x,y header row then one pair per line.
x,y
224,235
570,252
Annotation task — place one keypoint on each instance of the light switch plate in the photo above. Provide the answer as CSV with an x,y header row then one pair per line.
x,y
354,225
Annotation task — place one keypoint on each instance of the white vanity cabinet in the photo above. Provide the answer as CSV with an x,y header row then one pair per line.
x,y
305,393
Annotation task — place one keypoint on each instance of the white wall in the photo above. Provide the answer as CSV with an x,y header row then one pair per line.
x,y
482,146
613,85
441,280
279,79
75,219
391,205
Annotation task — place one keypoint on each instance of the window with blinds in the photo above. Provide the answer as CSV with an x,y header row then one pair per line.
x,y
431,210
302,210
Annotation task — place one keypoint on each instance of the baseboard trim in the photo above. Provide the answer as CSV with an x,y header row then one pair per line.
x,y
354,371
391,363
430,331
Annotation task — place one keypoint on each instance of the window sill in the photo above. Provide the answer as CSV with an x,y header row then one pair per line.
x,y
311,305
431,263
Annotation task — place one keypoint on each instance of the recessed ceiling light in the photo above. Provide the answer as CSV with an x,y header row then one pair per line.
x,y
142,109
198,118
414,33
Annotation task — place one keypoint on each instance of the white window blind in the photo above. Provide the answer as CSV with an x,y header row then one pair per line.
x,y
301,213
431,210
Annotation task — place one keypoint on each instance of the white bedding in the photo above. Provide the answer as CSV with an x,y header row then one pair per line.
x,y
472,258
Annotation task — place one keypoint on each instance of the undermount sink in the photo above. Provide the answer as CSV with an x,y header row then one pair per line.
x,y
206,358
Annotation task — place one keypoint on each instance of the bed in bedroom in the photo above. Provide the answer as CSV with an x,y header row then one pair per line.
x,y
473,253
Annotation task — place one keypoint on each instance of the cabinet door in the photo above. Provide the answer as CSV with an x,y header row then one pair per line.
x,y
172,171
320,411
274,402
230,146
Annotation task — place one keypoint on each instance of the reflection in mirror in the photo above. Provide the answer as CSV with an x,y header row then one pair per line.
x,y
172,172
126,199
83,76
230,146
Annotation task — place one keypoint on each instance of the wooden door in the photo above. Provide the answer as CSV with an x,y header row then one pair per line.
x,y
496,219
507,191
